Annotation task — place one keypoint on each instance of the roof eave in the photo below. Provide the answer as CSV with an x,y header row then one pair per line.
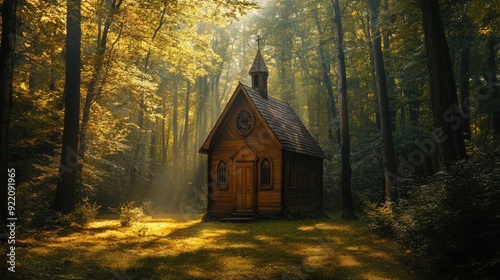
x,y
205,148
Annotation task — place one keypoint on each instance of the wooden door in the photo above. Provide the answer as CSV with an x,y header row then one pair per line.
x,y
244,186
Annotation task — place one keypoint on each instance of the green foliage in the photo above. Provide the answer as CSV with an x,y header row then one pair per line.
x,y
331,177
381,217
147,206
35,197
130,213
85,211
451,219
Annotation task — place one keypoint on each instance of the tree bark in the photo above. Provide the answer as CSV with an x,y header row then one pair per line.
x,y
175,124
65,198
389,161
217,98
444,101
464,92
164,145
345,146
391,83
186,129
7,50
493,84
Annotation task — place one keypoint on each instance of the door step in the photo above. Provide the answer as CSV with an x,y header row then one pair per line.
x,y
240,217
243,214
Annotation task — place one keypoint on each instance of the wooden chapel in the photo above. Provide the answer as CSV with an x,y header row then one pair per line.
x,y
261,158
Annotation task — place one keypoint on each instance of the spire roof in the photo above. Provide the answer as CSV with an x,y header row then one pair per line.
x,y
258,66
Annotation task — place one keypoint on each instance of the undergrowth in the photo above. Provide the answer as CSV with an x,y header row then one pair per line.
x,y
450,220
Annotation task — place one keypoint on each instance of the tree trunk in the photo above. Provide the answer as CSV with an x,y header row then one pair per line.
x,y
391,84
217,98
6,92
175,125
164,144
327,81
493,84
447,120
186,129
153,161
204,115
91,88
65,198
153,148
464,92
389,161
345,146
201,128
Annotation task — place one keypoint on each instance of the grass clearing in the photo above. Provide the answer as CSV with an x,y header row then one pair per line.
x,y
175,248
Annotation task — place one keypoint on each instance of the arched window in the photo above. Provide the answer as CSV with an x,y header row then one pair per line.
x,y
266,174
222,178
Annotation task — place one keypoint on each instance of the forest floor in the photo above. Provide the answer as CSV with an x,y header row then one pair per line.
x,y
187,248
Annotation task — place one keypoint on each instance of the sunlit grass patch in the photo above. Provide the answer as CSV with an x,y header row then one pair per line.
x,y
169,248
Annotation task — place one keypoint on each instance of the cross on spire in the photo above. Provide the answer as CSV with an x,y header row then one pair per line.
x,y
258,42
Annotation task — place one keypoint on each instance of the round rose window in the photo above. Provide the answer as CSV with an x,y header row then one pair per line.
x,y
244,122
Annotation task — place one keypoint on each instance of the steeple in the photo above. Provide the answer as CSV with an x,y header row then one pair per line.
x,y
259,73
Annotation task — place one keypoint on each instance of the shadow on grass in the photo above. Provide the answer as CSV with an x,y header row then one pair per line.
x,y
308,249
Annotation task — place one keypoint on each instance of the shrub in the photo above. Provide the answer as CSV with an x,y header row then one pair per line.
x,y
380,217
85,211
147,207
130,213
452,219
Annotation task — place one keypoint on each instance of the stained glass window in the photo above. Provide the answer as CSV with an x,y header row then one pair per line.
x,y
266,173
244,122
222,176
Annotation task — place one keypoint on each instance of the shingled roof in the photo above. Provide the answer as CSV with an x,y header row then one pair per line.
x,y
285,124
258,64
281,120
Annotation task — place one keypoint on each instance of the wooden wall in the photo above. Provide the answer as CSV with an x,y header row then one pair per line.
x,y
227,142
303,183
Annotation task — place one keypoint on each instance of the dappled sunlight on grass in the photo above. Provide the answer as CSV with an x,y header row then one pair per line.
x,y
268,239
348,260
374,275
167,248
306,228
240,263
103,224
324,226
207,233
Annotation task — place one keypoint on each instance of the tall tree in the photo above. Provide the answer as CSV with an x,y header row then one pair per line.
x,y
464,91
444,101
65,198
186,128
175,123
493,83
327,81
345,142
467,29
112,8
6,90
389,160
